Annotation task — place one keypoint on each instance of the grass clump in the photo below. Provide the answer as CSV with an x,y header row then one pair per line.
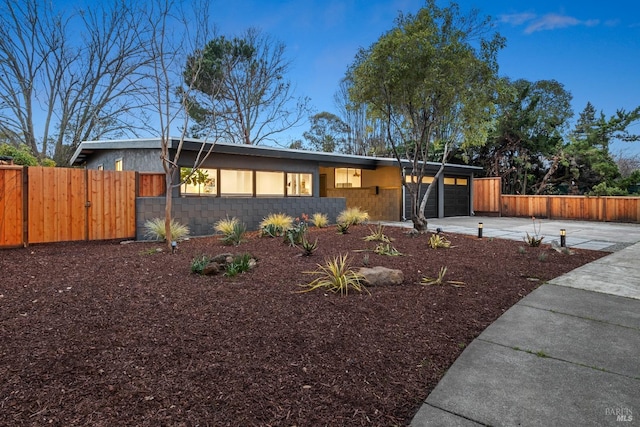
x,y
275,225
155,229
232,230
352,216
336,276
320,220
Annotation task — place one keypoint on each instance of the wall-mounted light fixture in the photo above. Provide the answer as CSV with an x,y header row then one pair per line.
x,y
563,238
480,225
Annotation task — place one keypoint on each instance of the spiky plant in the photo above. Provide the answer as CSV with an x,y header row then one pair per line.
x,y
226,225
343,227
155,230
336,276
437,241
377,235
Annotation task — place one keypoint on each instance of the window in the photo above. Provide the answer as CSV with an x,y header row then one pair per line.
x,y
449,181
119,164
236,182
269,183
348,178
202,182
299,184
412,178
100,167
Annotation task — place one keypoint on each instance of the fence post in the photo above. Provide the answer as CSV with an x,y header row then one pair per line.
x,y
25,206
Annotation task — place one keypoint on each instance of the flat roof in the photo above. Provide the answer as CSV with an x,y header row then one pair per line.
x,y
87,148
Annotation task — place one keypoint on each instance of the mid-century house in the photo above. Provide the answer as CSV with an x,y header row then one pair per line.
x,y
250,182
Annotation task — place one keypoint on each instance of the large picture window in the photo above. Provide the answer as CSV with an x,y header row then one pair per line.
x,y
202,182
269,183
299,184
236,182
348,178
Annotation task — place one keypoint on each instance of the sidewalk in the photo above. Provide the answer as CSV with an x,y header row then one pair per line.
x,y
567,354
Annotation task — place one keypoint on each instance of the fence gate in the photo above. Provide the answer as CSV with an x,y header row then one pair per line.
x,y
41,205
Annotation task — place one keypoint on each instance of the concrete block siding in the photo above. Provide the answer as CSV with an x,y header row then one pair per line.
x,y
201,213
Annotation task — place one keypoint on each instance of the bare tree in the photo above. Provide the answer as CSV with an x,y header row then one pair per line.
x,y
366,134
247,76
173,34
67,77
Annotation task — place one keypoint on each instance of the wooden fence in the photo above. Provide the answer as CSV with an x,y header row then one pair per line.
x,y
40,205
487,200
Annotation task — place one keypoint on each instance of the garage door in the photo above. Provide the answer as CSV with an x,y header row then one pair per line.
x,y
431,210
457,196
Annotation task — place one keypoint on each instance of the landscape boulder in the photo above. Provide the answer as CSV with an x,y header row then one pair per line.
x,y
379,276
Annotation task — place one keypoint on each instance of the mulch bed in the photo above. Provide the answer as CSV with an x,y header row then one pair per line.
x,y
105,334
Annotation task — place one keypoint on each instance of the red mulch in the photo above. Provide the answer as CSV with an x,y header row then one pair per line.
x,y
106,334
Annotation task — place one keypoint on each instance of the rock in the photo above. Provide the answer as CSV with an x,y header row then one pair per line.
x,y
377,276
222,258
211,269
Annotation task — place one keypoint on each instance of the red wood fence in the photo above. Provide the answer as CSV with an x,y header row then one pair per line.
x,y
487,200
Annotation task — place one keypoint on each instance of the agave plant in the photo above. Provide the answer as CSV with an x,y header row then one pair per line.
x,y
377,235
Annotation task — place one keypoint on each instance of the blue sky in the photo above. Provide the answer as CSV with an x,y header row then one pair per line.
x,y
592,48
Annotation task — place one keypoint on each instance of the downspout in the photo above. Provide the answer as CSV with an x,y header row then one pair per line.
x,y
404,195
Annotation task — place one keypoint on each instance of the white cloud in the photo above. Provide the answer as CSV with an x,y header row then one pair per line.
x,y
554,21
517,18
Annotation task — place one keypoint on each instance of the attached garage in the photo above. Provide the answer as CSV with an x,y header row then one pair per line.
x,y
451,195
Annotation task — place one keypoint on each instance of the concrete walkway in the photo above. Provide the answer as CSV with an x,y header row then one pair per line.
x,y
568,354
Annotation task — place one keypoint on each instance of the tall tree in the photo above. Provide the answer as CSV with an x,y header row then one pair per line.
x,y
432,80
67,77
328,133
247,77
366,134
531,119
589,160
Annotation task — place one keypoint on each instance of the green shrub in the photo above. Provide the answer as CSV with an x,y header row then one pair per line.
x,y
352,216
240,264
336,276
155,229
294,234
199,263
320,220
275,225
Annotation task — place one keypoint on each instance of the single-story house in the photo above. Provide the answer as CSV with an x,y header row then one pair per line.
x,y
250,182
